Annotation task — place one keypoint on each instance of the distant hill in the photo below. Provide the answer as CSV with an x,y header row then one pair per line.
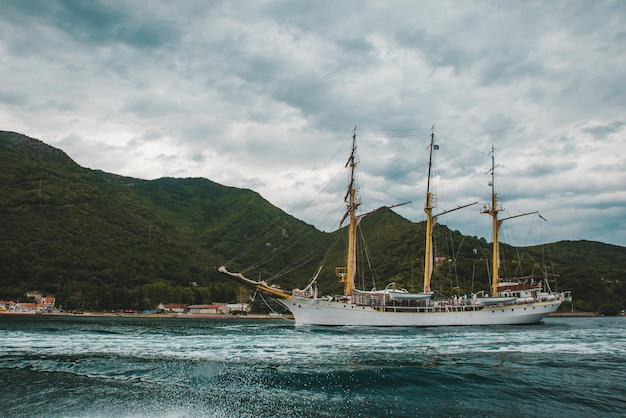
x,y
102,241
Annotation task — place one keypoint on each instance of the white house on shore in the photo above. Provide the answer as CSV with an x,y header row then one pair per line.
x,y
172,307
209,309
42,304
238,307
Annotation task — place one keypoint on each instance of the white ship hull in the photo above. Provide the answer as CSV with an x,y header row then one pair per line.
x,y
321,312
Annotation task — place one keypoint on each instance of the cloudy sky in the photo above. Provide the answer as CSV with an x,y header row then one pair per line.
x,y
265,95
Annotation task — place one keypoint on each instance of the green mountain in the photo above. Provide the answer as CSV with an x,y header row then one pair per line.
x,y
102,241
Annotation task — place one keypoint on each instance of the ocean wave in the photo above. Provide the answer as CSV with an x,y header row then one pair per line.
x,y
263,368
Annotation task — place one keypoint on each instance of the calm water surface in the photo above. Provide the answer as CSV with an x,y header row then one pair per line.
x,y
180,367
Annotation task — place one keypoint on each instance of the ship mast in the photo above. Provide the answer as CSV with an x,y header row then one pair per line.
x,y
428,207
493,212
497,223
347,275
431,220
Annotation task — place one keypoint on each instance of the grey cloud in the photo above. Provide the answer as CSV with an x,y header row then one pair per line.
x,y
61,105
618,167
93,20
168,158
272,89
198,158
148,34
255,68
152,135
309,94
567,145
13,98
602,132
253,183
71,141
508,67
498,127
437,49
100,22
147,137
150,106
354,46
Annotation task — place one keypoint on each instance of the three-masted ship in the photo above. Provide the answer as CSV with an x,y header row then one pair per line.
x,y
512,301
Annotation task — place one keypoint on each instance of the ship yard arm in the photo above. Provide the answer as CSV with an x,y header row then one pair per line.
x,y
259,285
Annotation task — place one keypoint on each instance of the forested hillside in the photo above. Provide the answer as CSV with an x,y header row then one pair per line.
x,y
102,241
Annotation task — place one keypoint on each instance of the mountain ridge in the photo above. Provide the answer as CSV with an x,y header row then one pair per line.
x,y
107,241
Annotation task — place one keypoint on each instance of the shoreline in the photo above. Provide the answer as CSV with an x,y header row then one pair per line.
x,y
247,316
575,314
166,315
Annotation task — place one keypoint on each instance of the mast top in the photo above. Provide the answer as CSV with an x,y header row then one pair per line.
x,y
350,197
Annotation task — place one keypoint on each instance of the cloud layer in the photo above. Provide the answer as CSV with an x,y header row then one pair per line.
x,y
265,95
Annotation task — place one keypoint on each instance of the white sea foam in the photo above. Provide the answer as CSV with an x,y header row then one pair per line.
x,y
240,343
256,368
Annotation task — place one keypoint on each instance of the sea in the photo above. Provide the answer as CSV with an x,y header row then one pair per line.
x,y
96,366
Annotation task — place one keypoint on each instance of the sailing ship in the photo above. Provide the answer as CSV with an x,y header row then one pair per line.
x,y
511,301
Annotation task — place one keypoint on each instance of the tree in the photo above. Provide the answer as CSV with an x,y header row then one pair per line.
x,y
608,309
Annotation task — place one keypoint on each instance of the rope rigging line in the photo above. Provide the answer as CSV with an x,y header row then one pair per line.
x,y
298,263
447,138
454,259
408,255
369,261
282,248
267,304
299,234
